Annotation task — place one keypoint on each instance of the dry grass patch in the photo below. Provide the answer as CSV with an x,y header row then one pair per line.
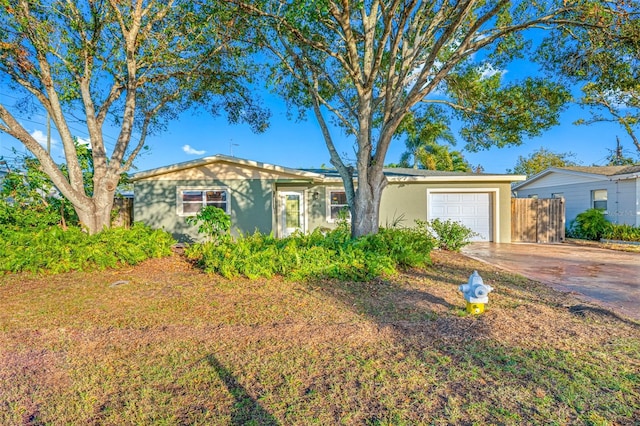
x,y
163,343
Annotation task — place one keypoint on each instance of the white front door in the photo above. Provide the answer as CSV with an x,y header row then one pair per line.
x,y
291,207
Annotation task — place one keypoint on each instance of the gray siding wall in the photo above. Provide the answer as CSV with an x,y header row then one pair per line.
x,y
251,205
622,198
623,203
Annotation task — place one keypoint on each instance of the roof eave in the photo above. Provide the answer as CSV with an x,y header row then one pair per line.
x,y
550,170
227,159
458,178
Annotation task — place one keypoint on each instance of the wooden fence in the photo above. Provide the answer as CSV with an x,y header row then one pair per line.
x,y
537,220
123,208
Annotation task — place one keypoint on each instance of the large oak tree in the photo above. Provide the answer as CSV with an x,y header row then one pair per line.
x,y
605,63
365,65
131,65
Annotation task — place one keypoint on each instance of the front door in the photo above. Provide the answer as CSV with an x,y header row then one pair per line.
x,y
291,212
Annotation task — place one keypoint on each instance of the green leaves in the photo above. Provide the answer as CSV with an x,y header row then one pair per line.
x,y
213,222
54,250
503,116
590,225
137,64
310,256
604,59
541,160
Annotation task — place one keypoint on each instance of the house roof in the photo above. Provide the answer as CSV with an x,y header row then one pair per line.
x,y
226,159
604,170
331,175
599,172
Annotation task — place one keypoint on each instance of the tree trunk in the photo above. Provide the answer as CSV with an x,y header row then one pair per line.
x,y
365,213
95,214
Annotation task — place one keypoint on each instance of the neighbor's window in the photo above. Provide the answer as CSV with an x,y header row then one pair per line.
x,y
191,201
338,204
557,195
599,199
534,196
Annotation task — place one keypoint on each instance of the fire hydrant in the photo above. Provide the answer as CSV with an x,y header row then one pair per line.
x,y
476,293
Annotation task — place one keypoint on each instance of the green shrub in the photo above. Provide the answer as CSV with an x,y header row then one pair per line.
x,y
450,235
623,233
55,250
34,216
331,254
589,225
213,222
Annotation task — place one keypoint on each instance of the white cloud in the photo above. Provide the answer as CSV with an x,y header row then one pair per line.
x,y
85,142
487,70
40,137
192,151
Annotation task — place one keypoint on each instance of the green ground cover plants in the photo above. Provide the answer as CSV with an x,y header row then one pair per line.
x,y
172,345
327,254
54,249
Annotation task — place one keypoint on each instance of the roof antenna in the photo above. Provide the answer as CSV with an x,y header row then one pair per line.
x,y
231,145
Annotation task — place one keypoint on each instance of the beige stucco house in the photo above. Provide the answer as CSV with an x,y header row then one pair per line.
x,y
280,200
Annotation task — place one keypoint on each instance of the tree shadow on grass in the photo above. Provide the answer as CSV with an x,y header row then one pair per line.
x,y
246,410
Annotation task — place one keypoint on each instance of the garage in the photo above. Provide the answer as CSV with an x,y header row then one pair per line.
x,y
472,209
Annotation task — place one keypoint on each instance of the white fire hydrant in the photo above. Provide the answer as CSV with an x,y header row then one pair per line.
x,y
476,293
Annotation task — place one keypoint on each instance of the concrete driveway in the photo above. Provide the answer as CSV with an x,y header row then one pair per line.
x,y
607,277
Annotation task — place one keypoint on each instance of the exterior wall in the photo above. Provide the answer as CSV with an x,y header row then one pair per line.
x,y
317,202
410,201
560,179
623,204
251,205
254,205
637,200
622,198
404,203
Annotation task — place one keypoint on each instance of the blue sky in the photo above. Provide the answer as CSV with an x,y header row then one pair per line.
x,y
300,144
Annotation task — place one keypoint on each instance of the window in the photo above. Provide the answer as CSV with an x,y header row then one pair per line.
x,y
557,195
599,199
534,196
192,200
338,204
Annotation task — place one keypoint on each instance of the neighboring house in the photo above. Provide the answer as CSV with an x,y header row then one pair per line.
x,y
276,199
615,189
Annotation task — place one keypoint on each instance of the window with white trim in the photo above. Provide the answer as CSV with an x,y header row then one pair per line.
x,y
337,205
599,199
192,200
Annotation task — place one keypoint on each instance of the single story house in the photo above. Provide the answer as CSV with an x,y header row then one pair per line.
x,y
614,189
276,199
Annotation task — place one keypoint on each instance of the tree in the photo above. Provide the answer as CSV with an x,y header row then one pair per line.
x,y
423,133
28,199
438,157
616,156
369,64
541,160
133,65
606,64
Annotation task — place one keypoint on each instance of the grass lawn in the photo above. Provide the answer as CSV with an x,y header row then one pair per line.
x,y
163,343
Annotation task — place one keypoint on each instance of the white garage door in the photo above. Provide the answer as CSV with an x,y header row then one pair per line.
x,y
472,209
